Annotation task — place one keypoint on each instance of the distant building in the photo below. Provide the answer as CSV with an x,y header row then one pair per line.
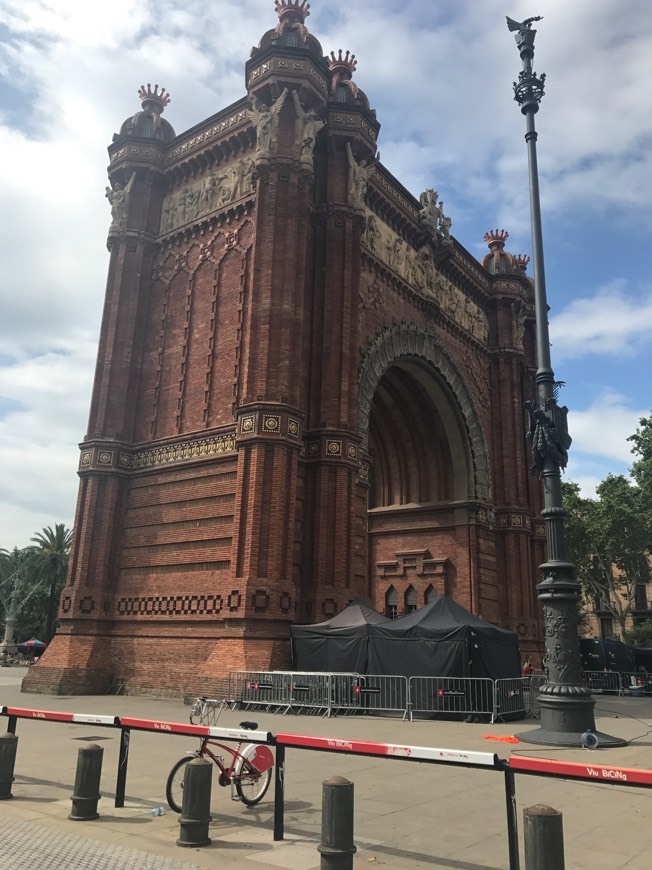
x,y
307,390
618,612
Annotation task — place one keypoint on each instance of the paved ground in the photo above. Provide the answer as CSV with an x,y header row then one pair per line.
x,y
407,815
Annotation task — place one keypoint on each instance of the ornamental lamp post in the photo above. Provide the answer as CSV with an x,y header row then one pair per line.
x,y
566,703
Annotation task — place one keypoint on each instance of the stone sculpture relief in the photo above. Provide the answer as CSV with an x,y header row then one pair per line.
x,y
417,268
308,125
432,217
518,325
215,191
118,196
359,175
266,123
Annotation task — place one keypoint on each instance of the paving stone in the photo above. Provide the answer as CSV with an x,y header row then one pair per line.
x,y
28,844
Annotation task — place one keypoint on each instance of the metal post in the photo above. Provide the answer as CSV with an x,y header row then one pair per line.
x,y
87,783
279,793
544,838
196,805
8,747
512,822
336,847
566,703
123,758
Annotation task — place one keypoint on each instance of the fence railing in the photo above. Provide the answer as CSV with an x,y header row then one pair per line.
x,y
350,693
471,759
472,696
604,681
512,698
636,683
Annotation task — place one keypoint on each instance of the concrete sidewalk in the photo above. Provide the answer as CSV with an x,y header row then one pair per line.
x,y
408,815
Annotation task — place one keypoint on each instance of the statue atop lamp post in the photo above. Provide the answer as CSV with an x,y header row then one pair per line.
x,y
566,703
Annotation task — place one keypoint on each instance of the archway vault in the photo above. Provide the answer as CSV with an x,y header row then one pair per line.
x,y
413,350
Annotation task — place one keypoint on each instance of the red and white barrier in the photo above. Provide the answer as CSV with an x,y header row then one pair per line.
x,y
196,730
56,716
390,750
573,770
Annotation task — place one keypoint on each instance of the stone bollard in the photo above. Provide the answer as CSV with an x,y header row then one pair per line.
x,y
544,838
87,783
336,847
196,804
8,747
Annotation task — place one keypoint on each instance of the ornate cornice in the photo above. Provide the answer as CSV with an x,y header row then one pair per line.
x,y
110,456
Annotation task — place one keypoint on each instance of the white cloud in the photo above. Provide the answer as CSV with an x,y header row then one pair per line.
x,y
602,429
440,77
49,397
608,323
588,483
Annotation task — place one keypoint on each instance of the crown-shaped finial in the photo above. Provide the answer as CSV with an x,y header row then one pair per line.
x,y
292,7
520,262
344,65
154,99
496,239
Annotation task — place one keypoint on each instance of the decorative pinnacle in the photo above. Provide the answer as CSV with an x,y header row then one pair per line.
x,y
154,99
345,66
522,25
496,239
521,261
529,90
295,8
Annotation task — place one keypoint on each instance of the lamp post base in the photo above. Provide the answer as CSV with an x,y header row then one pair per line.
x,y
565,720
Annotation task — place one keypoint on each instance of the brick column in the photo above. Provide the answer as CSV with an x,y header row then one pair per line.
x,y
78,660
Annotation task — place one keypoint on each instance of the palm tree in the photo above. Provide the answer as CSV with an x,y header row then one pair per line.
x,y
48,561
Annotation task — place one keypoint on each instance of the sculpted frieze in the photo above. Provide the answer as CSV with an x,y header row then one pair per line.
x,y
213,192
417,268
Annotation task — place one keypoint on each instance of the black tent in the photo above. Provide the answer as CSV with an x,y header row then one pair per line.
x,y
338,645
442,639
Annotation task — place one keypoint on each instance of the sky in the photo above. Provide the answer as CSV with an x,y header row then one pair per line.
x,y
439,74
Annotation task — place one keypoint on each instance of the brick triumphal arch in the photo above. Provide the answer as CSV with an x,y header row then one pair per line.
x,y
307,390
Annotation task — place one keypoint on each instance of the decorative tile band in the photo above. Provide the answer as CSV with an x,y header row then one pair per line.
x,y
150,458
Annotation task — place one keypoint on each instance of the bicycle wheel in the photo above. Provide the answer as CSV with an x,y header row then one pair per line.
x,y
251,785
174,785
253,772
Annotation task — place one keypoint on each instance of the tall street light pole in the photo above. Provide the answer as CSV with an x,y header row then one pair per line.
x,y
565,701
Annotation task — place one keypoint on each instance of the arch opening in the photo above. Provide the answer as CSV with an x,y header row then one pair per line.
x,y
428,468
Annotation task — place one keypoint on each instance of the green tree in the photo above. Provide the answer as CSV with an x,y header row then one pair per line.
x,y
16,586
48,563
642,466
608,540
640,635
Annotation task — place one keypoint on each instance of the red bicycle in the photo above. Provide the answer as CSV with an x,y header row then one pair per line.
x,y
248,768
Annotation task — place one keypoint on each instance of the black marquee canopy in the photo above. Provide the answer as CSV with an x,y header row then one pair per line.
x,y
440,639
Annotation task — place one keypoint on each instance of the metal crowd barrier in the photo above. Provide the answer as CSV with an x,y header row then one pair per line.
x,y
636,683
381,694
310,693
300,691
468,696
350,694
345,695
270,690
532,693
511,698
603,681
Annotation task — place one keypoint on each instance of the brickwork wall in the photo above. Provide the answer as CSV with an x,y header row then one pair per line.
x,y
225,478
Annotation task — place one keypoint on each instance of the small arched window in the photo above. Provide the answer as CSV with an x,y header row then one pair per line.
x,y
391,603
431,594
342,94
411,602
291,38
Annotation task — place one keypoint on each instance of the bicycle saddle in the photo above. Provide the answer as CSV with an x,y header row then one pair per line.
x,y
249,726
